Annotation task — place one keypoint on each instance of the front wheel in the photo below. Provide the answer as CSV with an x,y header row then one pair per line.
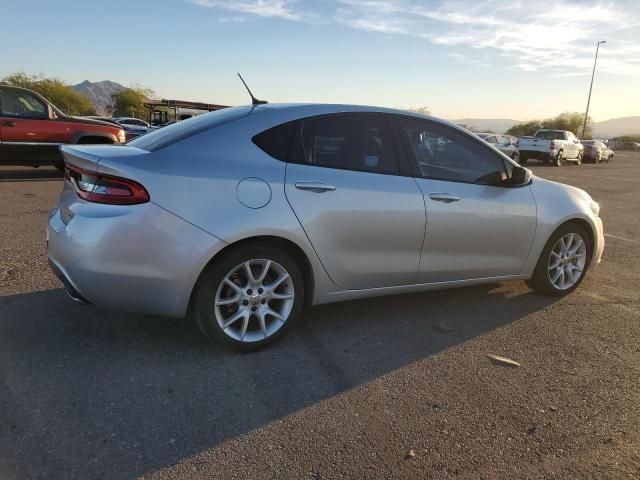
x,y
249,297
563,262
579,159
597,159
518,159
558,160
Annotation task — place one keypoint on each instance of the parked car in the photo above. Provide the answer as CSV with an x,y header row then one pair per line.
x,y
551,146
130,132
597,151
132,122
502,143
243,216
32,129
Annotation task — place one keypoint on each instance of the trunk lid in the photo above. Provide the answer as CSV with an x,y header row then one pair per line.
x,y
88,157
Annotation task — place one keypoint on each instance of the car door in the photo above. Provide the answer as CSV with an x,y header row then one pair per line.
x,y
27,136
474,230
362,213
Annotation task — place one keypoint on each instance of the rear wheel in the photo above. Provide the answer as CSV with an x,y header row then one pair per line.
x,y
516,158
563,262
579,159
249,297
558,160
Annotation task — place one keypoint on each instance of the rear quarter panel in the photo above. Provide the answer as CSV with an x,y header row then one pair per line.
x,y
197,180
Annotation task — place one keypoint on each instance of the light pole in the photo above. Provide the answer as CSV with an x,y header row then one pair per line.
x,y
586,114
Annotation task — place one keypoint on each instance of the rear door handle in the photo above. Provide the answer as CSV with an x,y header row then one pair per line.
x,y
8,123
317,187
443,197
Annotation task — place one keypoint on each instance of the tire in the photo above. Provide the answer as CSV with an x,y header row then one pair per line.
x,y
558,160
579,159
541,281
216,302
597,159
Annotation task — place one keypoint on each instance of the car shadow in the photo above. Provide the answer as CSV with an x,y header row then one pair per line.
x,y
29,174
90,393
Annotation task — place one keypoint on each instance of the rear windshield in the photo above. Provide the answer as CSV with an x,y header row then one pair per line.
x,y
171,134
550,135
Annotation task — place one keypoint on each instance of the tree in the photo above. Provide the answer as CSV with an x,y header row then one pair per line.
x,y
55,90
525,129
130,102
421,110
571,121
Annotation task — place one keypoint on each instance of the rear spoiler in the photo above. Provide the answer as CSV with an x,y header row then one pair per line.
x,y
80,157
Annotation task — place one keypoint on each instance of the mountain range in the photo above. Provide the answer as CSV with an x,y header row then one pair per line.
x,y
99,92
100,95
604,129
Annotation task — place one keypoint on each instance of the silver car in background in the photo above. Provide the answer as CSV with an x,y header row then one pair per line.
x,y
504,143
597,151
241,217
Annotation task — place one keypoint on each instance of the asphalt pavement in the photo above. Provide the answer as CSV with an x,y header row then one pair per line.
x,y
393,387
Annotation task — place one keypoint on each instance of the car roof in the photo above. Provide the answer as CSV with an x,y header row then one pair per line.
x,y
302,110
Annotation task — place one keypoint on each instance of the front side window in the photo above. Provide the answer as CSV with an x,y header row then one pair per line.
x,y
21,105
347,141
443,153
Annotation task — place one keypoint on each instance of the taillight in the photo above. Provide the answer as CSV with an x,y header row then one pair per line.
x,y
122,137
97,188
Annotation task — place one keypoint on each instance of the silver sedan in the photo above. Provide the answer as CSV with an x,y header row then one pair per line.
x,y
242,217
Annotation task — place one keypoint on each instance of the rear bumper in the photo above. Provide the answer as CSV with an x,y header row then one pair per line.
x,y
137,258
536,155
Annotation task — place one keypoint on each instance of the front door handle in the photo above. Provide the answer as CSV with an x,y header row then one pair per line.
x,y
443,197
8,123
317,187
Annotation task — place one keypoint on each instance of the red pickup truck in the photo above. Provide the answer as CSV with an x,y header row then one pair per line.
x,y
32,129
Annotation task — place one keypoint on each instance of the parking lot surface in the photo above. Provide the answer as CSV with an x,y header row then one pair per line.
x,y
394,387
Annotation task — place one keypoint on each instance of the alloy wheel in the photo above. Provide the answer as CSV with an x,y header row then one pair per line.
x,y
254,300
567,261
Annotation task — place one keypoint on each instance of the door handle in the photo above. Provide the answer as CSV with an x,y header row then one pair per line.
x,y
317,187
443,197
8,123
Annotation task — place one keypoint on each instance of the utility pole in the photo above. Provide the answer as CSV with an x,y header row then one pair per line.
x,y
586,114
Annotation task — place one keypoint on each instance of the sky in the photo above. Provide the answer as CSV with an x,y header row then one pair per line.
x,y
462,59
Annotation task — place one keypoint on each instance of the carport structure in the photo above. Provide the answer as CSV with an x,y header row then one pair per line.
x,y
159,109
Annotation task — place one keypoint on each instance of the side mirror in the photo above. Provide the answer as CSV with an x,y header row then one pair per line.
x,y
493,179
520,175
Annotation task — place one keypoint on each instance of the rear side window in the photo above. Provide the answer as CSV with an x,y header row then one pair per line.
x,y
348,141
276,141
171,134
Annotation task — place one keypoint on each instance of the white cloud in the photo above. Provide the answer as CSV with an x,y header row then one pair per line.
x,y
261,8
557,35
534,35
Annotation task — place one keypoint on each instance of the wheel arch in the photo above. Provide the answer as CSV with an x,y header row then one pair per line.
x,y
99,137
287,245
